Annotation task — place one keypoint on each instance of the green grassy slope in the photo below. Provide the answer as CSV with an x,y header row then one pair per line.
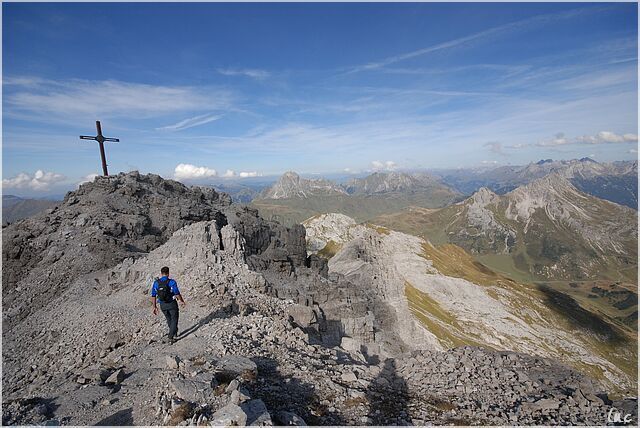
x,y
566,309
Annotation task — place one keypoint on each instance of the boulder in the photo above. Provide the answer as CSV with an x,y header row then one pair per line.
x,y
349,376
233,385
172,362
257,413
285,418
190,390
542,404
232,366
113,340
303,316
89,375
229,415
116,377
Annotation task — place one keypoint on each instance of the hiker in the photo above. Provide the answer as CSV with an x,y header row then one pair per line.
x,y
166,291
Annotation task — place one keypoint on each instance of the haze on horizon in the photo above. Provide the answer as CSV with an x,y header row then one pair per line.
x,y
209,91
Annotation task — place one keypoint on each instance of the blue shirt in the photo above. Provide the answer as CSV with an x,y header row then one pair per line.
x,y
172,283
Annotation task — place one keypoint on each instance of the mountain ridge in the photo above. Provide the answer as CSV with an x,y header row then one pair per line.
x,y
615,181
550,228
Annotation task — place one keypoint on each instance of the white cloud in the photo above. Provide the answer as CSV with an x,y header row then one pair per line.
x,y
489,162
191,122
494,147
558,140
40,180
383,166
243,174
185,171
603,137
247,72
88,178
376,165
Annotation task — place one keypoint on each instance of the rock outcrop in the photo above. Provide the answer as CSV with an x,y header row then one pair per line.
x,y
95,227
329,232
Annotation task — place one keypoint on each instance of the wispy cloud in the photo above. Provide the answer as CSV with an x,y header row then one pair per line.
x,y
602,79
110,98
39,181
501,29
604,137
246,72
191,122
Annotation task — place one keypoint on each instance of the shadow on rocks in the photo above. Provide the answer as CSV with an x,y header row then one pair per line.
x,y
28,411
119,418
388,397
287,394
219,313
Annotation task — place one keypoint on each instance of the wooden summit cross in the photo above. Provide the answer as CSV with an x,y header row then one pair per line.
x,y
100,139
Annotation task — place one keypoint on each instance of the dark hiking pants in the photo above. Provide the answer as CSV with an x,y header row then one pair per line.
x,y
171,313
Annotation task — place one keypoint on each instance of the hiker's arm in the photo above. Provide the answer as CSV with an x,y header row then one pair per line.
x,y
179,297
176,292
154,292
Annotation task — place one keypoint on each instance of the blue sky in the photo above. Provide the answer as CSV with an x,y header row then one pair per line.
x,y
200,91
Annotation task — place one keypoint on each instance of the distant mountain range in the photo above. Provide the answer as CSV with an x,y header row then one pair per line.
x,y
293,199
15,208
616,181
291,185
379,182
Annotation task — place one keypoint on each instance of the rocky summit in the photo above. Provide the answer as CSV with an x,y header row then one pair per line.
x,y
269,335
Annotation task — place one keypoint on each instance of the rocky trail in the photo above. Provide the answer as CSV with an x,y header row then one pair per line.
x,y
254,351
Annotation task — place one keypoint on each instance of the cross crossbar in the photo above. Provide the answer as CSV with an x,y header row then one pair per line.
x,y
101,139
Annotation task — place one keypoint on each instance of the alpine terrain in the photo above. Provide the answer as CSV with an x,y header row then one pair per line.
x,y
461,302
548,229
390,331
